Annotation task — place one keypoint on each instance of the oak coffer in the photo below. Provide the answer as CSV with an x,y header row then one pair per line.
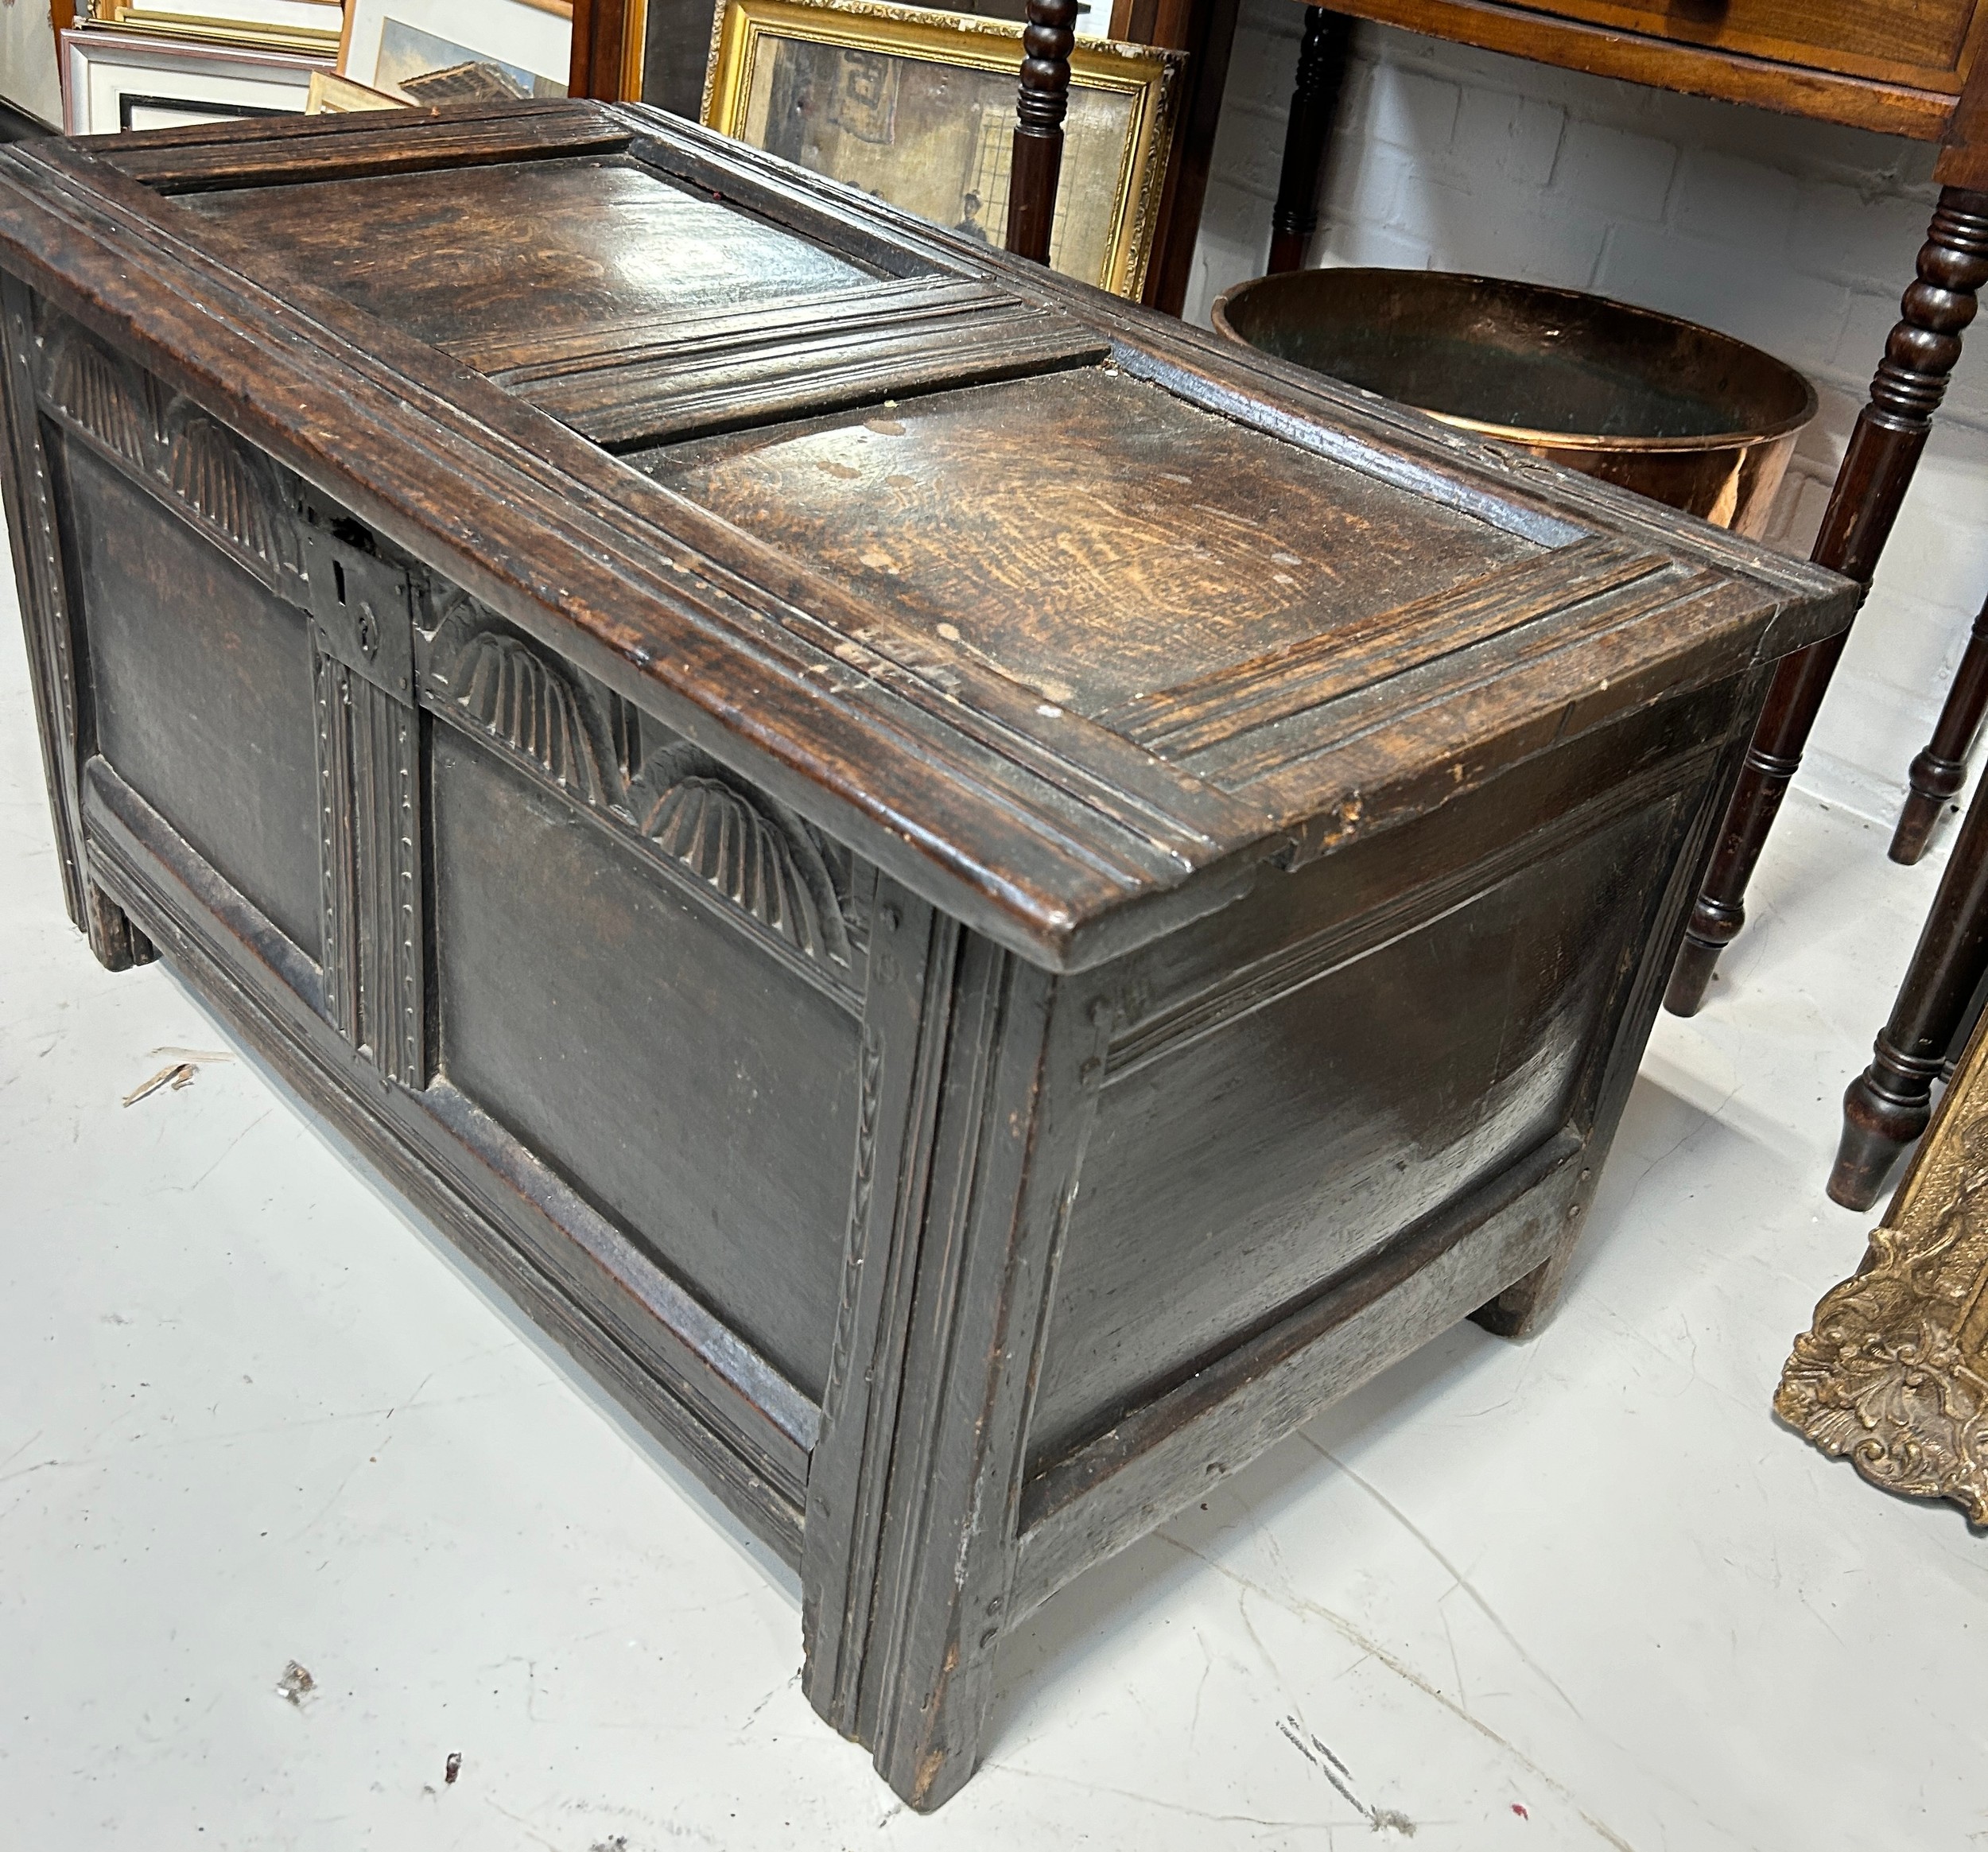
x,y
979,900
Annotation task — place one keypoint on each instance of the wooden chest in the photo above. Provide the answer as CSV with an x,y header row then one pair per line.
x,y
981,902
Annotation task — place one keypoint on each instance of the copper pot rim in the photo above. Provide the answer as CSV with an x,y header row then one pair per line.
x,y
1586,442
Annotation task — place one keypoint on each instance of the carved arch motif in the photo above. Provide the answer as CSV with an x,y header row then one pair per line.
x,y
748,850
90,388
518,698
212,473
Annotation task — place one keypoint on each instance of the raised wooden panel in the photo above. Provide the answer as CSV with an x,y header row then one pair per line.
x,y
1089,536
526,248
698,1091
202,688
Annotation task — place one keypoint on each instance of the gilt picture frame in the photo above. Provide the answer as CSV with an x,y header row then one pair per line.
x,y
1893,1374
917,107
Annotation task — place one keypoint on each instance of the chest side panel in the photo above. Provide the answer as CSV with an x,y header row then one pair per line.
x,y
1366,1041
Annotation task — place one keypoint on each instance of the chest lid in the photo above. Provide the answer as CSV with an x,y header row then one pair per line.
x,y
1069,617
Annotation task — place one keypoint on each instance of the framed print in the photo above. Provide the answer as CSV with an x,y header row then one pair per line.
x,y
918,108
334,95
458,51
113,81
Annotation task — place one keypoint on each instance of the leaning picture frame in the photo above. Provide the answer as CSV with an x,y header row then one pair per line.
x,y
917,107
458,51
113,82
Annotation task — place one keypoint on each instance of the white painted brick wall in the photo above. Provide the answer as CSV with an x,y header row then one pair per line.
x,y
1798,236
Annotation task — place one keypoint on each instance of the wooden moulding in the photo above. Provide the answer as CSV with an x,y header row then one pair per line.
x,y
977,901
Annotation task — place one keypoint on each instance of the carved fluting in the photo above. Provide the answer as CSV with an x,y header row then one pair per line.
x,y
1924,346
870,1075
735,841
212,474
1046,41
521,699
90,389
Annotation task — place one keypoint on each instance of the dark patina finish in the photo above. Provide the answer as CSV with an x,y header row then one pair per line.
x,y
980,900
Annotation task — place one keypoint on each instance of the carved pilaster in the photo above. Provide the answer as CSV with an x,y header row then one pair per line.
x,y
370,814
984,1093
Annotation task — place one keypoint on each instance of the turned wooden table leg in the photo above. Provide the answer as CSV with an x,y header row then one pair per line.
x,y
1884,452
1040,105
1939,772
1889,1103
1314,104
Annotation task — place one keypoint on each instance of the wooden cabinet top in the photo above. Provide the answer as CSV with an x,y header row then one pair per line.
x,y
1069,618
1897,66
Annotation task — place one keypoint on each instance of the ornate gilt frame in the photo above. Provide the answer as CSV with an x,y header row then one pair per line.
x,y
1149,75
1893,1375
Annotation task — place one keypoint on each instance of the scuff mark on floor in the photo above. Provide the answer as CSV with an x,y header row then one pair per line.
x,y
1299,1605
1449,1569
1386,1819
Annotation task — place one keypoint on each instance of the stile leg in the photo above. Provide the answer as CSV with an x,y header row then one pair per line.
x,y
1041,103
1940,772
117,942
1314,104
1884,452
1890,1103
981,1084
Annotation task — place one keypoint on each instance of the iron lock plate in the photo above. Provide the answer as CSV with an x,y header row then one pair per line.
x,y
363,609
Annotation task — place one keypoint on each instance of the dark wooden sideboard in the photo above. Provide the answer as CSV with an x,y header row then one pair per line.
x,y
1896,66
979,900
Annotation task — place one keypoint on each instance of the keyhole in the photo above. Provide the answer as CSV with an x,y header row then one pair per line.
x,y
338,573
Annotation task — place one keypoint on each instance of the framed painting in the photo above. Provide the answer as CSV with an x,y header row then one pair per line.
x,y
458,51
115,81
917,107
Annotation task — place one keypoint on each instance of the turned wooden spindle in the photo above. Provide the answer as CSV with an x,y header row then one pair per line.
x,y
1041,103
1940,772
1888,1104
1314,102
1884,452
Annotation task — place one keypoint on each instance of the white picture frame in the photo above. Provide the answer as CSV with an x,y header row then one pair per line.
x,y
30,67
528,43
115,82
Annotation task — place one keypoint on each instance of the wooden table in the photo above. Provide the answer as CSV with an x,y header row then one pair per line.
x,y
980,900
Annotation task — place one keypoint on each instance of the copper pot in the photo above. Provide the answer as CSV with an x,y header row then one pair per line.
x,y
1676,412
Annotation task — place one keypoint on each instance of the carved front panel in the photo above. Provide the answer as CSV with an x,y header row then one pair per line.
x,y
710,832
273,723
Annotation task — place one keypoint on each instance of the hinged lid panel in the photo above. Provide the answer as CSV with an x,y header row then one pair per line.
x,y
1070,646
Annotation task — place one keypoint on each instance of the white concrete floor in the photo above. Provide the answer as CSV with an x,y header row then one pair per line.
x,y
1579,1592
